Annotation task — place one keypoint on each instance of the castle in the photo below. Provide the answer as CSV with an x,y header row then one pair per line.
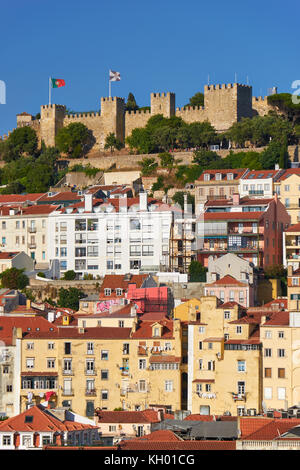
x,y
223,106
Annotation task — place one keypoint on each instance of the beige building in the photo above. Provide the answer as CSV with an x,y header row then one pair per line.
x,y
26,229
287,186
224,361
16,259
103,367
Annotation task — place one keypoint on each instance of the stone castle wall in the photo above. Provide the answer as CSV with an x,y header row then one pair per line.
x,y
223,105
260,106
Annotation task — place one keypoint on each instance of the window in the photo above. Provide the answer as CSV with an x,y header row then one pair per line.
x,y
104,374
67,348
268,372
226,315
207,387
142,386
9,388
280,334
281,352
268,334
104,355
121,323
30,346
30,363
268,393
211,365
200,364
104,394
241,388
6,440
281,373
168,385
112,428
210,345
239,329
5,369
107,292
287,187
119,291
268,352
199,388
201,329
281,393
126,348
142,364
110,264
200,345
50,363
90,348
241,366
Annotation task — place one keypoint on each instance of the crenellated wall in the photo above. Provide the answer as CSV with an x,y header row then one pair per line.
x,y
223,106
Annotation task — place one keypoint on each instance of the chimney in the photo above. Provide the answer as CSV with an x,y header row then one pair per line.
x,y
123,203
143,201
88,203
263,319
236,199
133,310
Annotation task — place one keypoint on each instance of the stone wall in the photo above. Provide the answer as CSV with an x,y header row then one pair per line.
x,y
260,106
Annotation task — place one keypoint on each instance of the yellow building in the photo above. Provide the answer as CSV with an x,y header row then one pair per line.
x,y
187,310
103,367
224,354
287,186
291,247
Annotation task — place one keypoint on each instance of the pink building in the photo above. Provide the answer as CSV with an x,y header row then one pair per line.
x,y
229,289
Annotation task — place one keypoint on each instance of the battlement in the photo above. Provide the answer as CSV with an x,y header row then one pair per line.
x,y
82,115
139,111
190,108
260,98
225,86
53,106
111,99
162,95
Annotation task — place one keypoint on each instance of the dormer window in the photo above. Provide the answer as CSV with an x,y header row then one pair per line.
x,y
157,330
230,176
206,176
107,291
218,176
119,291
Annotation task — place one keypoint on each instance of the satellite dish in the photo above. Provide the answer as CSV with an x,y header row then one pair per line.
x,y
264,406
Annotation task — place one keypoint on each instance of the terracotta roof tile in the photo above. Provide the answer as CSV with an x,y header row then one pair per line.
x,y
227,281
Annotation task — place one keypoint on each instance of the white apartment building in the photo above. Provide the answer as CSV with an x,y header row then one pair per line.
x,y
258,183
116,237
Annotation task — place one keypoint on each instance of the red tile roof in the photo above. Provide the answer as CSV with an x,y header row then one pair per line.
x,y
255,174
164,359
8,254
288,172
19,198
61,196
232,215
244,201
89,333
227,281
281,302
42,421
293,228
237,174
166,442
119,281
272,429
197,417
281,318
144,330
39,210
27,324
147,416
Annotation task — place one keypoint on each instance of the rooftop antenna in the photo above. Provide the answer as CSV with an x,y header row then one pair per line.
x,y
208,79
235,77
247,80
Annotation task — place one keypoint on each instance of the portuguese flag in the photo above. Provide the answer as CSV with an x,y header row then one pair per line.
x,y
57,82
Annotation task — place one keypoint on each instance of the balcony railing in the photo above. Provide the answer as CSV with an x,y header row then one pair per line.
x,y
68,393
90,393
90,372
32,229
239,396
68,372
256,192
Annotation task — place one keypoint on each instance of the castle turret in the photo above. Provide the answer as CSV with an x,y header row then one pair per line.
x,y
52,119
112,117
163,103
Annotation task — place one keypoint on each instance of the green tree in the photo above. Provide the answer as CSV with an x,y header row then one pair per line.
x,y
69,275
197,272
148,166
141,140
22,140
166,160
14,278
197,99
69,298
74,140
178,198
282,102
112,143
158,185
205,157
131,104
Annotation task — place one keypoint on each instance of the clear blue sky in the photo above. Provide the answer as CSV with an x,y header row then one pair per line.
x,y
165,45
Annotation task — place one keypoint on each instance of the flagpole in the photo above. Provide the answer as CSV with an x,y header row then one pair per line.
x,y
49,90
109,87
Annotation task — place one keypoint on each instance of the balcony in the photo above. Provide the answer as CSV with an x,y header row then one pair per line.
x,y
247,249
32,245
68,372
256,192
68,393
90,372
238,396
32,229
90,393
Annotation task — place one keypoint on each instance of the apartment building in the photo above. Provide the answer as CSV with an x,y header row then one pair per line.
x,y
103,367
183,240
247,227
26,229
224,360
118,236
259,183
229,289
217,184
287,187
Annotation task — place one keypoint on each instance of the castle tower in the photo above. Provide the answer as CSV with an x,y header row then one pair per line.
x,y
226,104
163,103
113,118
52,119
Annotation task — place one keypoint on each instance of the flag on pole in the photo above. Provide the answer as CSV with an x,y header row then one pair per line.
x,y
114,76
57,82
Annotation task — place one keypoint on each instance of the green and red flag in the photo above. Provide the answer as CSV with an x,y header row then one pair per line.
x,y
57,82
